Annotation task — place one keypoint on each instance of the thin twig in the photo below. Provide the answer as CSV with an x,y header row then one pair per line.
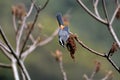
x,y
44,5
89,49
112,32
85,77
110,28
31,36
13,53
92,75
95,5
99,54
27,52
62,70
25,70
113,64
36,7
105,11
15,70
4,46
31,28
47,40
91,13
117,2
2,65
14,23
36,44
7,54
114,14
21,30
6,40
108,76
109,25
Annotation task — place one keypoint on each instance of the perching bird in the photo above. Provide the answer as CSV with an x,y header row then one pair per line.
x,y
65,37
64,32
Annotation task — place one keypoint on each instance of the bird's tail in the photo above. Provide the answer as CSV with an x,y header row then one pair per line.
x,y
59,19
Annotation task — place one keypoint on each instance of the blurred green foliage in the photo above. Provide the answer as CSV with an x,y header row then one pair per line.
x,y
40,64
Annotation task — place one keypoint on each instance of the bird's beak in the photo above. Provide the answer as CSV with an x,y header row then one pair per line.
x,y
61,27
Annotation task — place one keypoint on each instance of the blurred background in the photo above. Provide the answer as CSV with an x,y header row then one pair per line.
x,y
41,65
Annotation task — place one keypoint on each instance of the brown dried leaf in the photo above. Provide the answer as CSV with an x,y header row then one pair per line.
x,y
113,48
19,11
71,46
97,66
118,14
58,55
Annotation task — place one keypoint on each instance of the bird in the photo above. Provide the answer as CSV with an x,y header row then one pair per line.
x,y
66,38
63,32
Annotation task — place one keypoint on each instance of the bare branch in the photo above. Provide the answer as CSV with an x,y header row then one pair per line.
x,y
6,53
108,76
114,14
30,10
92,75
6,40
5,50
87,48
27,52
25,72
58,57
14,23
112,32
31,36
21,30
13,53
105,10
5,65
5,47
62,70
35,20
36,7
91,13
95,5
49,38
15,70
36,44
117,2
85,77
30,30
44,5
113,64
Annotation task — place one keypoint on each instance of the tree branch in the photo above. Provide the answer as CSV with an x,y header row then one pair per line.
x,y
21,30
105,11
37,43
95,5
15,70
62,70
7,54
14,23
31,28
91,13
5,65
87,48
6,40
113,64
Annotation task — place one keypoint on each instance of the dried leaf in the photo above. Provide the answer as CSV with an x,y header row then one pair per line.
x,y
97,66
58,55
118,14
71,46
19,11
113,48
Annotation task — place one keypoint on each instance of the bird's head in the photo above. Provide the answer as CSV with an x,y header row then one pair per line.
x,y
65,21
